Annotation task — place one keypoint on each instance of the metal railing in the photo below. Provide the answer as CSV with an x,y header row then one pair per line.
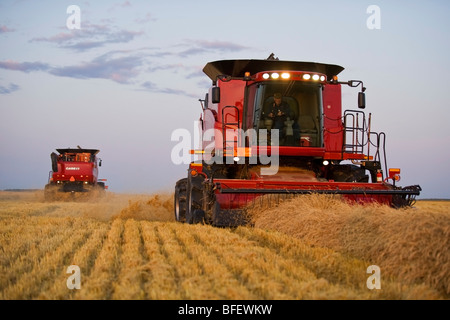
x,y
235,125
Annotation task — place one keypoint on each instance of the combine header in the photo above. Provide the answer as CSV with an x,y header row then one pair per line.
x,y
74,171
277,127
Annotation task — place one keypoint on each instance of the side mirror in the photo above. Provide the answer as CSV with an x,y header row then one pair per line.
x,y
215,94
206,101
361,100
100,163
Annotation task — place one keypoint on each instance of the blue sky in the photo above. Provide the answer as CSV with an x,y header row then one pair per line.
x,y
132,74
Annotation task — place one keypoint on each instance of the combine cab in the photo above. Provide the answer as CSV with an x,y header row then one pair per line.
x,y
272,127
74,171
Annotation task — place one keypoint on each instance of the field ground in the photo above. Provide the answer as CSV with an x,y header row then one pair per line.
x,y
129,247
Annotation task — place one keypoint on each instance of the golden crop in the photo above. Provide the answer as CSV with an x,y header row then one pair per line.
x,y
129,247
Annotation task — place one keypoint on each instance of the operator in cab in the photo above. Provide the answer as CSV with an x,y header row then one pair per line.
x,y
281,114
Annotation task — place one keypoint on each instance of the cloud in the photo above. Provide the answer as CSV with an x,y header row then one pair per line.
x,y
5,29
147,18
118,69
196,74
123,4
151,87
24,66
117,66
204,46
9,89
175,68
113,65
121,66
219,45
89,36
192,52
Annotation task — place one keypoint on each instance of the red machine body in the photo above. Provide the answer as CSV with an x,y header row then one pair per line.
x,y
322,149
74,170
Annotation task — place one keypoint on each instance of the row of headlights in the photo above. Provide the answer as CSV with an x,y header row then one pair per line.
x,y
276,75
286,75
59,182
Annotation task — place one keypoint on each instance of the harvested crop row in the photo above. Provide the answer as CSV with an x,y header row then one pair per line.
x,y
409,244
123,253
99,283
21,238
223,284
346,272
267,272
23,251
129,284
162,276
189,277
84,257
44,263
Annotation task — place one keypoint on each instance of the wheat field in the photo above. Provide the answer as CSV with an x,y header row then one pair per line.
x,y
130,247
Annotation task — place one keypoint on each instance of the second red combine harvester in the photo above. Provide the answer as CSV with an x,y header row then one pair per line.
x,y
277,127
74,171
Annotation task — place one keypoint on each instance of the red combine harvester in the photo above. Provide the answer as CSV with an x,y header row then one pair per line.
x,y
277,127
74,171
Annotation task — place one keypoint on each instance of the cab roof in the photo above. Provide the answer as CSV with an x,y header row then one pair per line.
x,y
237,68
69,150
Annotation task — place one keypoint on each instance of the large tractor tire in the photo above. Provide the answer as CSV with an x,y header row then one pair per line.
x,y
194,208
180,201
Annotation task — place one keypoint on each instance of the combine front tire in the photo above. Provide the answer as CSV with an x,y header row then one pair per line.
x,y
194,211
180,200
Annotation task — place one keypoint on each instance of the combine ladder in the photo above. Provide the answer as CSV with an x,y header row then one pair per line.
x,y
359,138
230,130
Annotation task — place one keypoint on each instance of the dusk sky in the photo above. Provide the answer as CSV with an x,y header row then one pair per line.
x,y
132,74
